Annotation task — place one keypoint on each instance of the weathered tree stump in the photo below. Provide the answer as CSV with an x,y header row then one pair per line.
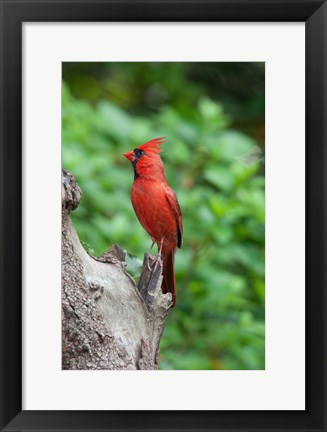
x,y
107,321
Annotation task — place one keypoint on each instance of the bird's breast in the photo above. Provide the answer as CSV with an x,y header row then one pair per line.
x,y
153,210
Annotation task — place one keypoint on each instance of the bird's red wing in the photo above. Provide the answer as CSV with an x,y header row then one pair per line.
x,y
173,202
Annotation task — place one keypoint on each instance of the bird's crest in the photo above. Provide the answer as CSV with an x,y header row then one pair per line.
x,y
153,146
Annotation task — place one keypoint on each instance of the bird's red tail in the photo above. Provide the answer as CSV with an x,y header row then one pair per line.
x,y
168,281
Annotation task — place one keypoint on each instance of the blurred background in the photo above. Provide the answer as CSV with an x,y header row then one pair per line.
x,y
212,115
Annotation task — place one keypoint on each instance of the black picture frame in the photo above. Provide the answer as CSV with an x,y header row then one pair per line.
x,y
13,14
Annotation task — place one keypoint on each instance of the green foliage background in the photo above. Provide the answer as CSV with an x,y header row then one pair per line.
x,y
213,117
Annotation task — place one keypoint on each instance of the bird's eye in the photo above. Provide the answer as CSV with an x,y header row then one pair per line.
x,y
138,152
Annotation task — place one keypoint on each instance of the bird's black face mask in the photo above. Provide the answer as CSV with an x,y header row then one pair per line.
x,y
138,154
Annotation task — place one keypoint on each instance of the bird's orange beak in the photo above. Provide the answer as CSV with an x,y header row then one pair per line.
x,y
130,156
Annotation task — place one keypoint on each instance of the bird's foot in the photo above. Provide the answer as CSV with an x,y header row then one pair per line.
x,y
149,251
152,262
158,260
161,244
148,265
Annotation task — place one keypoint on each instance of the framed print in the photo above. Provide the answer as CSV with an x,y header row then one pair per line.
x,y
221,327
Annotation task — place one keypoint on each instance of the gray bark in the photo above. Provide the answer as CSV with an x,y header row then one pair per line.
x,y
107,321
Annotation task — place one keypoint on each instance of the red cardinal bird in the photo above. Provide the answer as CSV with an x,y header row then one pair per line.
x,y
156,206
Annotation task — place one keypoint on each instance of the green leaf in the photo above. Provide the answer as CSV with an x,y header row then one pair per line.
x,y
133,265
219,176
